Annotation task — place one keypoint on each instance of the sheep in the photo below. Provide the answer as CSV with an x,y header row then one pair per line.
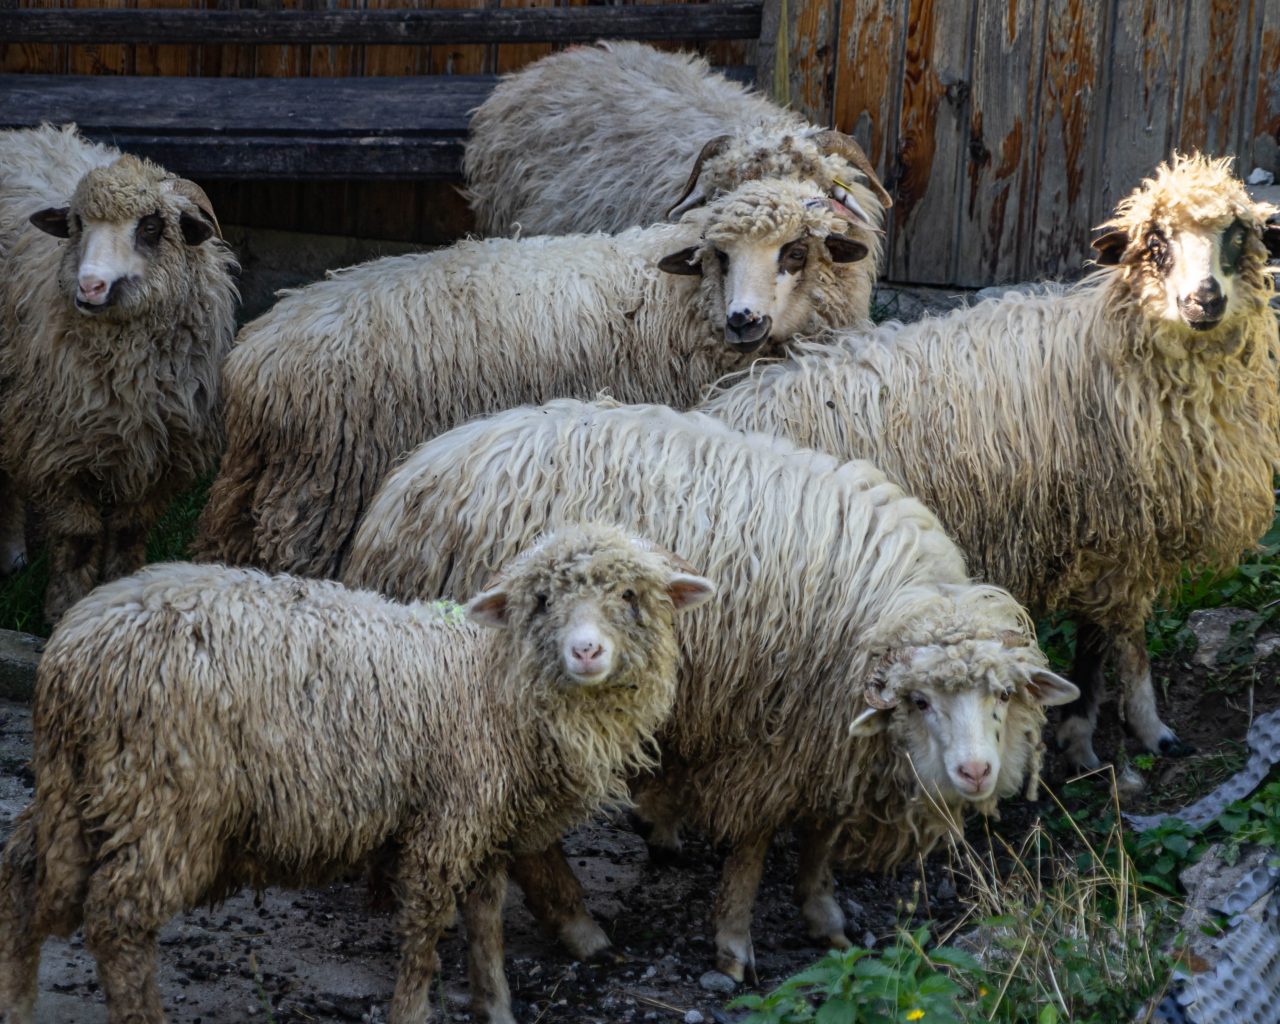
x,y
1082,445
117,306
842,601
328,388
601,138
199,728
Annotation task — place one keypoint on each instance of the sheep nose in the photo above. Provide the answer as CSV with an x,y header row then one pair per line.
x,y
746,331
975,773
587,652
92,288
1206,304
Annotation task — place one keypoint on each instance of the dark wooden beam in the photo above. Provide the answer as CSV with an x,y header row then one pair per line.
x,y
734,19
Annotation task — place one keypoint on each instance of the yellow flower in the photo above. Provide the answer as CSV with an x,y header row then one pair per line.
x,y
982,990
915,1015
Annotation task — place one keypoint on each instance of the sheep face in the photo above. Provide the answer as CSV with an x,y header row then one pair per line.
x,y
593,608
953,709
767,251
124,227
1192,244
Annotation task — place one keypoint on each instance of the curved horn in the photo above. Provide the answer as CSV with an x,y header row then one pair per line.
x,y
871,692
713,147
188,188
832,141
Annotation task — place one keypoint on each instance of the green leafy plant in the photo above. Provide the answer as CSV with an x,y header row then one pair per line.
x,y
904,981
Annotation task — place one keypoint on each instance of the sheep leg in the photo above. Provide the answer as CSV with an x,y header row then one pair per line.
x,y
75,554
13,540
1140,712
20,939
126,537
482,912
1075,733
816,887
739,882
555,898
121,935
428,901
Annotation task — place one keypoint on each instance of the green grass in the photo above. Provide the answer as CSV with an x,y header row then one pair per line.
x,y
22,595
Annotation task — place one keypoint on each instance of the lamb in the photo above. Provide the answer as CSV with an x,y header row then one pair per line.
x,y
339,379
175,763
843,603
110,346
601,138
1083,445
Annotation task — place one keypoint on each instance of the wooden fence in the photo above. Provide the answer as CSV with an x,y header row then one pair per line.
x,y
1005,129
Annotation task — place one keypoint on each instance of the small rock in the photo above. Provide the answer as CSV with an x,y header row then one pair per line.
x,y
1212,630
693,1017
1260,176
946,889
717,981
868,940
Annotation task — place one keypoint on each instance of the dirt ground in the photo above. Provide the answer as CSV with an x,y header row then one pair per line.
x,y
322,955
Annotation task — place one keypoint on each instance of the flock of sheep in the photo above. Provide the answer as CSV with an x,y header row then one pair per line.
x,y
863,668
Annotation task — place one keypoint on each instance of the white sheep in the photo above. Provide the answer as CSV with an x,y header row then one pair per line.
x,y
601,138
842,602
200,728
1083,445
332,385
116,308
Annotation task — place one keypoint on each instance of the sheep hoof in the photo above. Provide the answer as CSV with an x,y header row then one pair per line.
x,y
1171,746
585,939
838,940
741,968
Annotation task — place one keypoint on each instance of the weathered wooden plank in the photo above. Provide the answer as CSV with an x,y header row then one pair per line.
x,y
871,39
1139,100
266,106
732,19
1211,104
993,226
1069,143
933,139
394,60
513,56
170,59
452,59
1262,127
333,60
811,38
93,56
284,59
34,58
297,158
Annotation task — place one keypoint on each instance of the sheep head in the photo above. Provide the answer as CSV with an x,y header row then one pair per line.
x,y
1191,245
764,250
965,703
127,226
590,607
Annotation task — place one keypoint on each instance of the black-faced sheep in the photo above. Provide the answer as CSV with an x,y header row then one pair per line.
x,y
1083,445
601,138
116,309
330,387
842,601
199,728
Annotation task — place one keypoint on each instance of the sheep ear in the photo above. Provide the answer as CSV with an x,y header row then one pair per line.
x,y
844,249
688,591
683,262
1110,248
1051,689
1271,237
194,229
53,221
489,609
870,722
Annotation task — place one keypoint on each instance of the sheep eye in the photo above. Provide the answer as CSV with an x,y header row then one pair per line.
x,y
793,256
629,596
920,703
1005,696
1158,250
1233,244
151,227
540,603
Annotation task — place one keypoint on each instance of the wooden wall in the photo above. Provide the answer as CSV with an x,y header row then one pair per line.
x,y
1006,128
